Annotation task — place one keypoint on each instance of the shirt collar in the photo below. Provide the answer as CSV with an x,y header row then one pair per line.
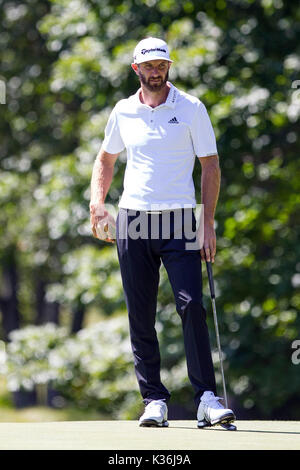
x,y
172,96
170,101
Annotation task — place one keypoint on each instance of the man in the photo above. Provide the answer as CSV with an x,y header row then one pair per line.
x,y
162,129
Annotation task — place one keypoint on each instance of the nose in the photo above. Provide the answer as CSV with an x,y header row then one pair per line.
x,y
155,71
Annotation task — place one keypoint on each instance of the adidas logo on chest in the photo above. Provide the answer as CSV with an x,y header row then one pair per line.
x,y
173,121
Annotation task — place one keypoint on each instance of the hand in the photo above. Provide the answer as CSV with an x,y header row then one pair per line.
x,y
208,250
103,224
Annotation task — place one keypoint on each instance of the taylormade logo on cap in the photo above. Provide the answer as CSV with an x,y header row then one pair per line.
x,y
151,49
144,51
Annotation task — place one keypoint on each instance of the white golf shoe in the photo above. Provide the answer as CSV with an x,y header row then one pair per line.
x,y
211,412
155,414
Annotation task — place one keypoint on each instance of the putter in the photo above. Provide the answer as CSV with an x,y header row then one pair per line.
x,y
228,426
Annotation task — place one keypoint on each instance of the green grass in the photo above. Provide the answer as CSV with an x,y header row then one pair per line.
x,y
127,435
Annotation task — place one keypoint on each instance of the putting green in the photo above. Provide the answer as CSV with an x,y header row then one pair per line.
x,y
122,435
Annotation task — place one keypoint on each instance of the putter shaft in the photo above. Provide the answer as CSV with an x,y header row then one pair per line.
x,y
213,301
219,349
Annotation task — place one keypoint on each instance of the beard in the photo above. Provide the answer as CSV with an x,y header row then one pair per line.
x,y
154,86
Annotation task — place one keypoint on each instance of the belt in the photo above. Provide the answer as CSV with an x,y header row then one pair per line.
x,y
177,209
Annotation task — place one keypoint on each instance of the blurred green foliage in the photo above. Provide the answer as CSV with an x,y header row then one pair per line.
x,y
65,64
92,369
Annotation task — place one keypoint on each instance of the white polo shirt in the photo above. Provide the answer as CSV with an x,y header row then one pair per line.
x,y
161,145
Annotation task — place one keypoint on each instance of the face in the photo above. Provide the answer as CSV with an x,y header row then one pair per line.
x,y
153,74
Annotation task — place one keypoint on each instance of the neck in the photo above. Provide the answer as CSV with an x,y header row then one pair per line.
x,y
154,98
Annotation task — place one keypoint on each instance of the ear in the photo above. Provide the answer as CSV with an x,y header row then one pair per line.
x,y
134,68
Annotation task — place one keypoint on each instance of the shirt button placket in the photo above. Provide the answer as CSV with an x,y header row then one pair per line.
x,y
152,118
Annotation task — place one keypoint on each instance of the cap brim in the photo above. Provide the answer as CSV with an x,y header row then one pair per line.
x,y
152,58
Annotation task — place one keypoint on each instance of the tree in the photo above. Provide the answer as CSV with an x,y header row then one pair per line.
x,y
241,59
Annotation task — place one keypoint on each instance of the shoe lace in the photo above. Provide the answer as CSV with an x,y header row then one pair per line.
x,y
155,403
213,402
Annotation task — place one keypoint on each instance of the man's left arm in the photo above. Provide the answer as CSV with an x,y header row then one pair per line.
x,y
210,188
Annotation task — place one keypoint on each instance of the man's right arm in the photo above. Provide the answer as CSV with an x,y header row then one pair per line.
x,y
102,176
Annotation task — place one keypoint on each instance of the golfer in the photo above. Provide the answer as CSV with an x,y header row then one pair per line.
x,y
162,129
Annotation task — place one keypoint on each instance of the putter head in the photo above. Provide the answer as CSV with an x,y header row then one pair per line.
x,y
227,426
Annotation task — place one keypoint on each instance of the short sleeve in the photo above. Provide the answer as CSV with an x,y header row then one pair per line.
x,y
113,142
203,136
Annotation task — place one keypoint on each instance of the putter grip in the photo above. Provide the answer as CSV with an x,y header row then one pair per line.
x,y
210,279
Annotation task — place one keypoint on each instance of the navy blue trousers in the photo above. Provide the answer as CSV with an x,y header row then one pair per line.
x,y
142,245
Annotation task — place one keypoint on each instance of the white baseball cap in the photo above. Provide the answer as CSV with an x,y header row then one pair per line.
x,y
151,49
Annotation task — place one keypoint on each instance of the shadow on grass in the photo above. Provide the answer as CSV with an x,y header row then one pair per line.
x,y
217,428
